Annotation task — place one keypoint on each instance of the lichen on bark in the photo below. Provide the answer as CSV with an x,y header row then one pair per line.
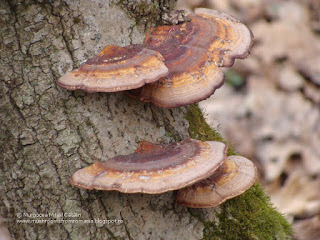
x,y
47,133
146,11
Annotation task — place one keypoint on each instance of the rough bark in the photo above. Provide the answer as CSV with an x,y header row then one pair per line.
x,y
47,133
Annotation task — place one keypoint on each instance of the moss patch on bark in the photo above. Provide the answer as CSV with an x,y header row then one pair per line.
x,y
149,11
201,130
248,216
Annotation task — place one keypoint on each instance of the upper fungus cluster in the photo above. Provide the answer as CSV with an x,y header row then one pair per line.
x,y
176,65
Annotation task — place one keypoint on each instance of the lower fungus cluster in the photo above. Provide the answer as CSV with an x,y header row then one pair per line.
x,y
201,171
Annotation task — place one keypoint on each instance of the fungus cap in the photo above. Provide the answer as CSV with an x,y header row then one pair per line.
x,y
154,168
235,41
194,52
233,177
116,69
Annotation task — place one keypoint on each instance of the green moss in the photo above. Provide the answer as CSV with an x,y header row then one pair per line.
x,y
146,10
89,123
172,133
252,217
248,216
140,10
173,136
201,130
76,20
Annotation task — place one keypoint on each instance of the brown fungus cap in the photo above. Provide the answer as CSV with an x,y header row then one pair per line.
x,y
154,168
234,41
116,69
236,175
194,52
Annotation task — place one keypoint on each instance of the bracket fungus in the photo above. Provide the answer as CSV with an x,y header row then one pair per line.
x,y
116,69
232,178
154,168
194,53
176,66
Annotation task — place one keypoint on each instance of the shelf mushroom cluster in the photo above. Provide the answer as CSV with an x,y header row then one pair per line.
x,y
176,65
204,174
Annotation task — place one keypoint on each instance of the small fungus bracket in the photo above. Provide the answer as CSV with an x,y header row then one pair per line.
x,y
116,69
233,177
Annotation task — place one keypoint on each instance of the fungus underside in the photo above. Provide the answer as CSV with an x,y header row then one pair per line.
x,y
248,216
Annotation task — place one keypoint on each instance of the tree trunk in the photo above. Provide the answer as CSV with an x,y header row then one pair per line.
x,y
47,133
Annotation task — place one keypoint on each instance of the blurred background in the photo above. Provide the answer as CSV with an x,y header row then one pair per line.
x,y
269,107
